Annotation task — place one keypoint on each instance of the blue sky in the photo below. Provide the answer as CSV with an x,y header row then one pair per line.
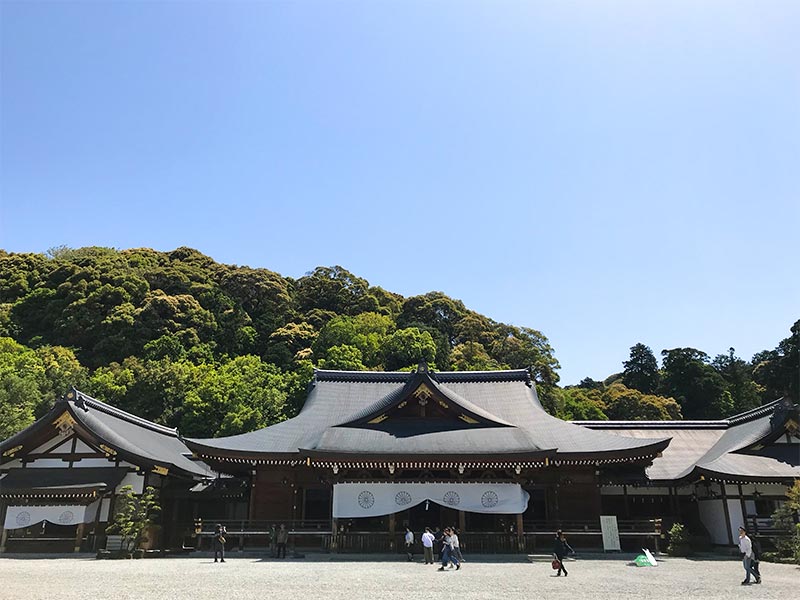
x,y
606,172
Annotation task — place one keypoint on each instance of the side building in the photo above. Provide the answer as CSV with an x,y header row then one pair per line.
x,y
60,477
715,475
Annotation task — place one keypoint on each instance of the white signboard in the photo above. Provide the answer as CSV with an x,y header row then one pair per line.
x,y
608,525
376,499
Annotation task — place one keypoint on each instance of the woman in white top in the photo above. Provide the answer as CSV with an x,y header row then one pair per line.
x,y
746,548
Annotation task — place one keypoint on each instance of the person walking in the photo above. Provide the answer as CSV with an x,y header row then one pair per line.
x,y
746,548
457,546
283,538
427,546
439,546
219,542
410,544
756,567
560,549
448,556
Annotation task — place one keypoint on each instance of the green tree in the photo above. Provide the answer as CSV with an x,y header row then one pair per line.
x,y
785,520
240,395
525,348
581,404
31,380
435,310
407,348
285,342
21,377
335,289
344,358
625,404
778,370
698,388
367,331
133,514
472,356
738,375
641,370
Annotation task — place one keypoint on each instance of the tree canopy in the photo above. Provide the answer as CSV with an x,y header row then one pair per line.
x,y
219,349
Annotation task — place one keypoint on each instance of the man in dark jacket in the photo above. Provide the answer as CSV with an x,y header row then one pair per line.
x,y
561,548
283,538
219,542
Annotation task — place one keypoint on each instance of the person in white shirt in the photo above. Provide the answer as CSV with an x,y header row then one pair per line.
x,y
746,548
427,545
410,544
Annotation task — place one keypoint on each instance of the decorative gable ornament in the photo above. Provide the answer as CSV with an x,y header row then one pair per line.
x,y
65,424
423,394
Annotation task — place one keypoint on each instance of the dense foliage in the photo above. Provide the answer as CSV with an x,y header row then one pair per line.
x,y
787,521
219,349
133,514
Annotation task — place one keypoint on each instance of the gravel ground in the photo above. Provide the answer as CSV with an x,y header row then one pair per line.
x,y
346,577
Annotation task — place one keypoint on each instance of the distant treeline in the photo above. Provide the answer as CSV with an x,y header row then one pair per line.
x,y
219,349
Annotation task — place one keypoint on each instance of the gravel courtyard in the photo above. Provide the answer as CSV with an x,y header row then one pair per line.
x,y
337,577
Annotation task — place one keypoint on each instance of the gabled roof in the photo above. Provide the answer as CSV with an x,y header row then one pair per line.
x,y
509,420
731,449
136,440
422,382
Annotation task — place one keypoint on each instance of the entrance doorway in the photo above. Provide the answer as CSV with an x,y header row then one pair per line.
x,y
426,514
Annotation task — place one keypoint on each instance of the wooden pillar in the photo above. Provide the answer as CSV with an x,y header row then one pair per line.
x,y
520,534
79,537
97,523
462,520
744,507
334,535
727,513
3,531
391,531
251,508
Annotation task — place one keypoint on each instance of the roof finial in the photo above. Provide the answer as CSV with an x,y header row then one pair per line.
x,y
422,367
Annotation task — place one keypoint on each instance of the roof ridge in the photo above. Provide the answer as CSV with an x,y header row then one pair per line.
x,y
121,414
440,376
754,413
751,415
720,424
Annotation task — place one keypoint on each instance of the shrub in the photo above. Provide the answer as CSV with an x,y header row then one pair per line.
x,y
785,519
133,515
678,541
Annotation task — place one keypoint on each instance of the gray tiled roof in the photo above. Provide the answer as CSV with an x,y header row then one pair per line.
x,y
505,398
724,448
138,440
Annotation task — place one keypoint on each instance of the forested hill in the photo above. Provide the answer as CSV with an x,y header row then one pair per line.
x,y
218,349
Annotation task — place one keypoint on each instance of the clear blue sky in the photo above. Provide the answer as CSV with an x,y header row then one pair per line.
x,y
605,172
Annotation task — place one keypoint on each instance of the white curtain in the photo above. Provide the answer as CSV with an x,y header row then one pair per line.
x,y
376,499
19,517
